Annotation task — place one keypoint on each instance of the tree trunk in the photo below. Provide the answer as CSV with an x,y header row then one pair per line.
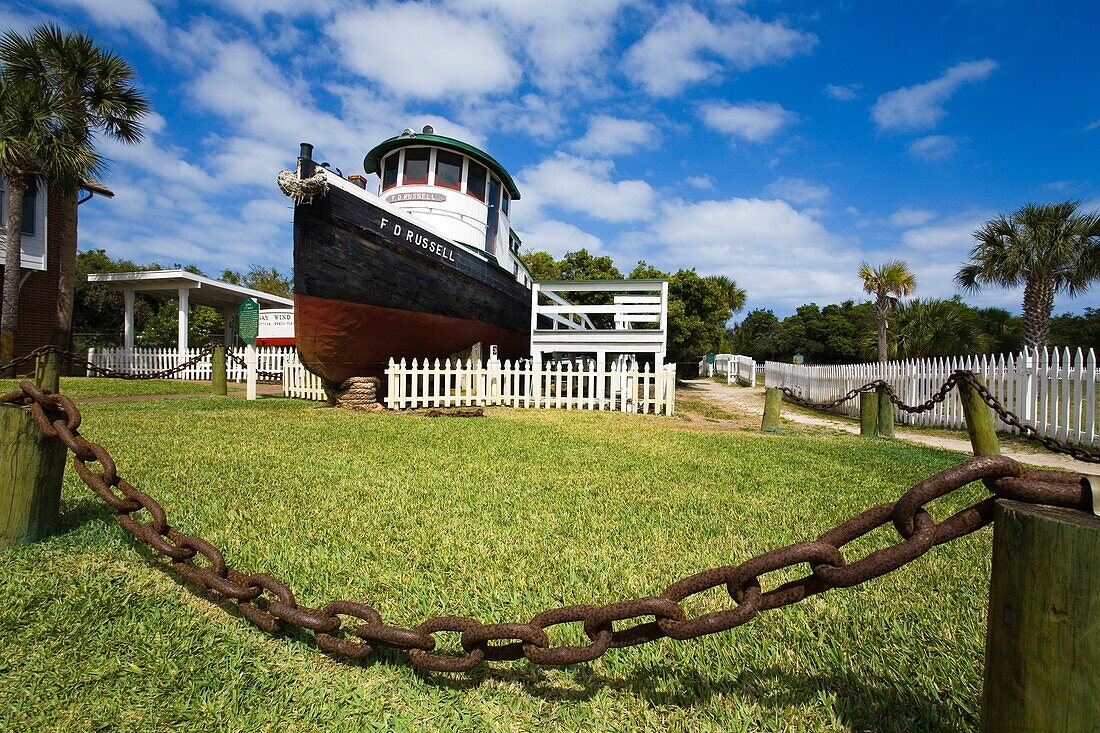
x,y
63,236
13,261
1038,306
883,352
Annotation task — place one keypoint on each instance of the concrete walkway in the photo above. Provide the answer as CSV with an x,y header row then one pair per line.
x,y
750,401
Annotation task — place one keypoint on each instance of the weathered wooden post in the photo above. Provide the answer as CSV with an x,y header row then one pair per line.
x,y
979,422
868,414
31,466
1042,644
885,414
773,402
47,374
217,372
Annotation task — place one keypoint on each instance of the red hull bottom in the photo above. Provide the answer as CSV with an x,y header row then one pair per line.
x,y
339,340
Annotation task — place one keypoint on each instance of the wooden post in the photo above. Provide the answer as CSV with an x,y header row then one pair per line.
x,y
773,402
217,372
868,414
48,377
885,414
979,422
1042,645
30,478
250,371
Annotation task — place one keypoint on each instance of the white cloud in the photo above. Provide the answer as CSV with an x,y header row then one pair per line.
x,y
753,121
558,238
564,39
705,183
842,92
798,190
425,51
585,186
954,234
685,47
139,17
256,10
614,136
933,147
756,241
920,106
907,217
1094,125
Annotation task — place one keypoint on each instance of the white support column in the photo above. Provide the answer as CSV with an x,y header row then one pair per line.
x,y
128,319
181,322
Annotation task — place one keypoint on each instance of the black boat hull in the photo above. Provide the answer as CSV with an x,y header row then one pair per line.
x,y
370,286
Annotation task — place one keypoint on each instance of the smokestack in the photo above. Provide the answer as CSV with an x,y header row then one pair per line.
x,y
306,166
359,181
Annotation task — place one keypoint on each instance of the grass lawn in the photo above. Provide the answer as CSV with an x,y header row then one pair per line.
x,y
498,518
80,387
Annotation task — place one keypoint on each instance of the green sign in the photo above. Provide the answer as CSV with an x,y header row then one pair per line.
x,y
799,359
710,358
248,321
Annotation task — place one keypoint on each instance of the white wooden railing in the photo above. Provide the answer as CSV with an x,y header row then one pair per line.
x,y
741,369
1054,391
300,382
269,359
567,385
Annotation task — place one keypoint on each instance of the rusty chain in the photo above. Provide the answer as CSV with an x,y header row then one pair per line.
x,y
259,374
354,630
960,376
939,396
73,359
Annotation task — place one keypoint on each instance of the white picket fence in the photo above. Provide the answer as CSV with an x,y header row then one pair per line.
x,y
567,385
300,382
145,361
741,369
1054,391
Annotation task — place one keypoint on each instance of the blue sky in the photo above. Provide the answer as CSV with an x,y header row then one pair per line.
x,y
780,143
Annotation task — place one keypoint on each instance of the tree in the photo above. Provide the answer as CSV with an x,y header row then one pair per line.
x,y
264,279
934,327
1046,248
733,296
74,90
888,282
541,265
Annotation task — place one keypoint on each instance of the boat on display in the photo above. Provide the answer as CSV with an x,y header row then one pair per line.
x,y
427,268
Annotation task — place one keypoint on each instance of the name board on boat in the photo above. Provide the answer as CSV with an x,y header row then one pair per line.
x,y
410,235
396,198
248,321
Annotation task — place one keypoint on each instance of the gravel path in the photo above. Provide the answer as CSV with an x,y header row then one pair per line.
x,y
750,401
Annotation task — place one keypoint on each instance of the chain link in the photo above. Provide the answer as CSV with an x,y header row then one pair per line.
x,y
74,360
271,605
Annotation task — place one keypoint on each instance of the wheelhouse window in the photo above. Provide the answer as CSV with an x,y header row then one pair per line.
x,y
448,169
476,178
505,202
389,171
416,165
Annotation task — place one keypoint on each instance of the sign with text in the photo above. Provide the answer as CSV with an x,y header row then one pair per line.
x,y
248,321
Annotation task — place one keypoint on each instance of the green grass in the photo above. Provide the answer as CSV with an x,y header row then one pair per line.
x,y
103,387
497,518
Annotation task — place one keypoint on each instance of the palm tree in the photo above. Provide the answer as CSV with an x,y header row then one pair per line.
x,y
91,89
732,295
1047,248
887,282
933,327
